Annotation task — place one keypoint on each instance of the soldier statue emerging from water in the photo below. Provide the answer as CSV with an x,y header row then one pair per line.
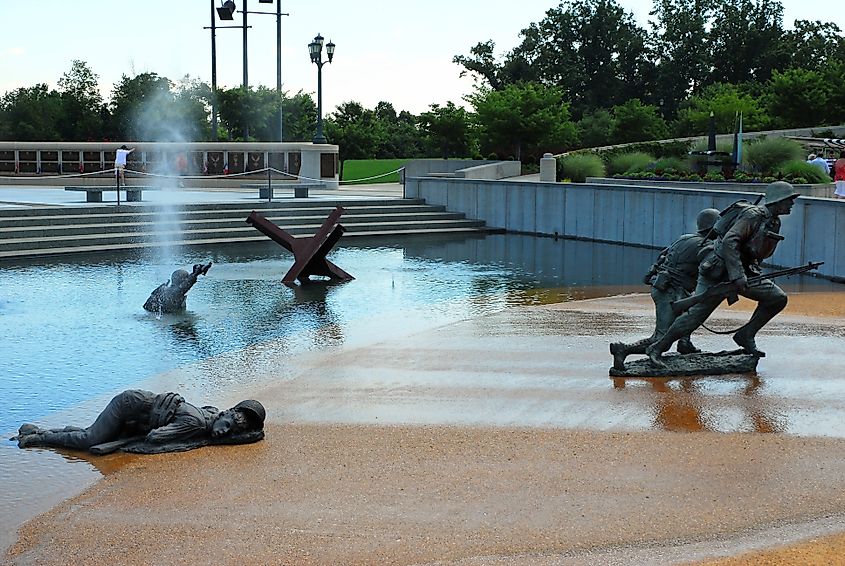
x,y
169,297
148,423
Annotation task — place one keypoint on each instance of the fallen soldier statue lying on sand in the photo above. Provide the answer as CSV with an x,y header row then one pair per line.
x,y
146,423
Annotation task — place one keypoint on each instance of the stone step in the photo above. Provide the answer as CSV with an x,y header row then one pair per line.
x,y
139,208
6,253
284,222
41,232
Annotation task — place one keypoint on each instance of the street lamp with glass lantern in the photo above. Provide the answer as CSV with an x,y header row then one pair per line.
x,y
315,48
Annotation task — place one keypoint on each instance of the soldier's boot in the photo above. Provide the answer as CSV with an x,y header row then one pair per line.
x,y
745,336
685,346
745,340
655,353
621,351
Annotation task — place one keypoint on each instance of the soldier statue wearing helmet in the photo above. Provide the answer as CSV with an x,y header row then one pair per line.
x,y
169,297
673,276
746,234
143,422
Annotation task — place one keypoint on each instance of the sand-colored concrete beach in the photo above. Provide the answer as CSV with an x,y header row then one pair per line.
x,y
499,440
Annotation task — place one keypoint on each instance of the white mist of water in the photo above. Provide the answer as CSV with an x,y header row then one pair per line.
x,y
158,119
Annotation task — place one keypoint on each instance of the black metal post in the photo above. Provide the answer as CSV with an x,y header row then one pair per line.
x,y
319,137
269,185
246,76
279,69
213,75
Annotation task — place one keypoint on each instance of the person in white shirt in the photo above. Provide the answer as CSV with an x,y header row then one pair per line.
x,y
818,161
120,162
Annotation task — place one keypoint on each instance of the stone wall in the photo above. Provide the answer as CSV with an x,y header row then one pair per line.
x,y
640,216
80,163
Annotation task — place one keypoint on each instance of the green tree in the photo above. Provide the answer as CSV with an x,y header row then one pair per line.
x,y
595,129
746,39
635,121
81,104
300,117
592,49
31,114
356,130
523,119
401,133
814,45
135,104
680,38
798,97
448,130
724,100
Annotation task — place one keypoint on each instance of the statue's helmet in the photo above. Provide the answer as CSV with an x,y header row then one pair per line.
x,y
778,191
706,219
178,276
254,411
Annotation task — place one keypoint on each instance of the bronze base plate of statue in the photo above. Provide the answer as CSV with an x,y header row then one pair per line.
x,y
701,364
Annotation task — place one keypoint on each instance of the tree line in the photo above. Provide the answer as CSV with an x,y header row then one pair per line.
x,y
586,75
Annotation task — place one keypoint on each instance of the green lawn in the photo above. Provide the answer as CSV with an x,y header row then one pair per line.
x,y
365,169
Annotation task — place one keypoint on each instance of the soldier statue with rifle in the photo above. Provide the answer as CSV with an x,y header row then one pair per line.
x,y
673,276
746,235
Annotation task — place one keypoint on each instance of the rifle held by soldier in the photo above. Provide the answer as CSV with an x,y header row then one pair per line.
x,y
728,289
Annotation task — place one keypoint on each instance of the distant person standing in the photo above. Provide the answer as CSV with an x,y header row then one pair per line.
x,y
839,176
819,162
120,162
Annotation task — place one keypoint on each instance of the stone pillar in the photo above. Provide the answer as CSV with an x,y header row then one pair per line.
x,y
548,168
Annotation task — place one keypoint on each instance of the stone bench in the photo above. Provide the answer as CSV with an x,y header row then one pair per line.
x,y
95,194
265,191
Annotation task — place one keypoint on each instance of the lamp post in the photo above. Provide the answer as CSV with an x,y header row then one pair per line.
x,y
315,48
278,15
224,12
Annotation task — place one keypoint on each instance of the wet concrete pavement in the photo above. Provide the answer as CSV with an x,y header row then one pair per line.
x,y
498,440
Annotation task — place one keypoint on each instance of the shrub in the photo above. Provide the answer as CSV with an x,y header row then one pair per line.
x,y
577,167
792,170
676,164
629,162
766,155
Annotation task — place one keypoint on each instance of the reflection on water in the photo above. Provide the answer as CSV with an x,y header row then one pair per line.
x,y
74,329
726,403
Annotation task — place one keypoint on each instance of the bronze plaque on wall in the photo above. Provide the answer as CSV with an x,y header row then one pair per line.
x,y
328,165
215,162
294,162
236,162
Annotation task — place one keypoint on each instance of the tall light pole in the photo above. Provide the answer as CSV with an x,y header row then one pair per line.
x,y
279,15
213,75
225,12
246,76
315,48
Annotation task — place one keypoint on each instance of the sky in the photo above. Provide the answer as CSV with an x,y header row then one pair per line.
x,y
397,51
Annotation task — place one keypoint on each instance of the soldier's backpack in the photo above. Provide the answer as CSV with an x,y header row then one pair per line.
x,y
728,217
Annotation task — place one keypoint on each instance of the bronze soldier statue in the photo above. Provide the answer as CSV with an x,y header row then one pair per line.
x,y
169,297
141,421
672,277
746,234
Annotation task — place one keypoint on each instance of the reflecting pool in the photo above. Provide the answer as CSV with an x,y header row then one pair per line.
x,y
74,330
